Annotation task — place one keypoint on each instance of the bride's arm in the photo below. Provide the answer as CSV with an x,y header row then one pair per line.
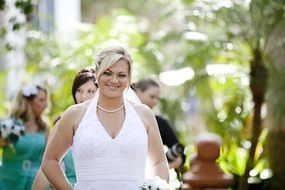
x,y
156,155
57,146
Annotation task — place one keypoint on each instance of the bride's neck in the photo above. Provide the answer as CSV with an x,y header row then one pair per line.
x,y
110,102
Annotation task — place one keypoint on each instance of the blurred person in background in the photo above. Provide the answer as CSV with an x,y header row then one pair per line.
x,y
148,91
22,159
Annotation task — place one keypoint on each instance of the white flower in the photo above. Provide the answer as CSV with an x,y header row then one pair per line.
x,y
155,184
29,90
11,129
5,127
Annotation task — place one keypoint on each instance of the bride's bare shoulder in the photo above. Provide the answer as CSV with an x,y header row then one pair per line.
x,y
76,112
142,108
145,114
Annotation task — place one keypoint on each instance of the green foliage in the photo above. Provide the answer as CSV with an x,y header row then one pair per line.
x,y
55,62
276,88
233,159
3,32
275,98
3,106
2,4
24,6
166,41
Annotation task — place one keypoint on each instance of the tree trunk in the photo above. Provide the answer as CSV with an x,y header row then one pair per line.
x,y
254,140
258,84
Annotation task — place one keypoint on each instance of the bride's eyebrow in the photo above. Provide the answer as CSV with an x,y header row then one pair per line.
x,y
120,72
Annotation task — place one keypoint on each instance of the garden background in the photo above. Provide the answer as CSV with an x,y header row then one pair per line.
x,y
220,62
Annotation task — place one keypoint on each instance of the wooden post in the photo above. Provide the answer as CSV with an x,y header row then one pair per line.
x,y
204,172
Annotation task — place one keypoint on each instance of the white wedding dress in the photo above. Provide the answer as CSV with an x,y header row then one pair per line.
x,y
106,163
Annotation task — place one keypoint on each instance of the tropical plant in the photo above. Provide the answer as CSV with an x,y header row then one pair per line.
x,y
242,32
255,25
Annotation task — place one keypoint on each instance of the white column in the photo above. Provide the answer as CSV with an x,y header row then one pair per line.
x,y
67,15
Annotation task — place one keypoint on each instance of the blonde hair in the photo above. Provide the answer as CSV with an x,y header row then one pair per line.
x,y
22,110
109,56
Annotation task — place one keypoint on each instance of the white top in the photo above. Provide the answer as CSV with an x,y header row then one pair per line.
x,y
102,162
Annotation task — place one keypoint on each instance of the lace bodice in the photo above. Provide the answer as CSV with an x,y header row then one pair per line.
x,y
103,162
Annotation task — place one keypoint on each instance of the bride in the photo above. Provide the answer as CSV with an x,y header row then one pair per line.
x,y
111,139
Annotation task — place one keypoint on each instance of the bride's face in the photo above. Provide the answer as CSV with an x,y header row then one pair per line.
x,y
114,80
